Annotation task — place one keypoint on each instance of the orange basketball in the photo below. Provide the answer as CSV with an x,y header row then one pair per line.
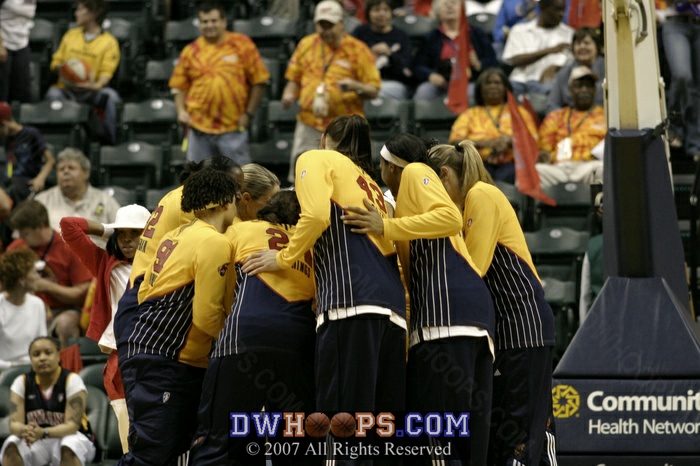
x,y
317,425
343,425
75,71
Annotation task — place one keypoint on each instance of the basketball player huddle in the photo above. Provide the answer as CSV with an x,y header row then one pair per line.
x,y
244,297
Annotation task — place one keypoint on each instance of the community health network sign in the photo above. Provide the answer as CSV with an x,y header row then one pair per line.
x,y
627,416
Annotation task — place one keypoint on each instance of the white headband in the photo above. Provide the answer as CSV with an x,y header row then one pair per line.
x,y
391,158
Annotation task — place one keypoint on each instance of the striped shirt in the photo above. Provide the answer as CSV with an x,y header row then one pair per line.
x,y
448,295
181,299
497,245
271,311
351,270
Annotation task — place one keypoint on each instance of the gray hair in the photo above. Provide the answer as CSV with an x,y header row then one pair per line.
x,y
72,154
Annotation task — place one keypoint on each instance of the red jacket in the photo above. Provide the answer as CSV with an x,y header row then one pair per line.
x,y
100,265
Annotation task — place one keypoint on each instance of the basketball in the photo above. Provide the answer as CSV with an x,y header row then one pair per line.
x,y
317,425
74,71
343,425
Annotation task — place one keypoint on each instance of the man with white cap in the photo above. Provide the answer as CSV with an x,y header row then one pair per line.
x,y
568,135
331,74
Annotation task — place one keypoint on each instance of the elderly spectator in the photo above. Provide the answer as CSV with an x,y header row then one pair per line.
x,y
433,64
74,196
100,51
568,135
64,279
587,52
537,49
331,74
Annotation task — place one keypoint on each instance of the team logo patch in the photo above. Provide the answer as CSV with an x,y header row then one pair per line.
x,y
303,173
469,222
60,397
222,269
426,181
166,397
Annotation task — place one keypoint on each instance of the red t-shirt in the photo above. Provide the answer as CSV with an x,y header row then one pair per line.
x,y
62,266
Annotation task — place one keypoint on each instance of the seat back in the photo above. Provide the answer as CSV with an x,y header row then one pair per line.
x,y
180,33
573,207
433,119
158,73
273,155
62,123
122,195
276,68
153,121
9,375
97,410
274,37
387,117
136,165
484,21
416,26
92,375
281,121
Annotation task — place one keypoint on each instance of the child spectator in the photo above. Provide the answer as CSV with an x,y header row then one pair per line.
x,y
22,315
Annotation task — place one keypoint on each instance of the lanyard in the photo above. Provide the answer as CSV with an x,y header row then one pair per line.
x,y
48,246
323,60
497,121
568,120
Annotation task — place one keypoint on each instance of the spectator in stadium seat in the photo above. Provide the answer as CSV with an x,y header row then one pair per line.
x,y
22,314
390,46
331,74
218,83
100,50
75,196
64,279
48,421
15,23
29,161
489,126
568,135
586,47
433,64
537,49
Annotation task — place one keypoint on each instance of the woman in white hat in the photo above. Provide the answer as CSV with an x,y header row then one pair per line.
x,y
111,270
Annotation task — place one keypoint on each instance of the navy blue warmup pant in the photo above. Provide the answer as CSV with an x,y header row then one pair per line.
x,y
162,397
522,403
454,375
279,381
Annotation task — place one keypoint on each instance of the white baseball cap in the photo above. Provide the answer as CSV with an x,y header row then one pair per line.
x,y
328,10
131,216
582,72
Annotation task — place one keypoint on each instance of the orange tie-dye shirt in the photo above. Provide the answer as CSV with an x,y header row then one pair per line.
x,y
217,79
352,59
587,130
476,125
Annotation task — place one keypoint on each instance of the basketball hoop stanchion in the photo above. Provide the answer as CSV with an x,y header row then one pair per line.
x,y
693,262
627,390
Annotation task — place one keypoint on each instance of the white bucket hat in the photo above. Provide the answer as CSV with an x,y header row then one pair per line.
x,y
131,216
